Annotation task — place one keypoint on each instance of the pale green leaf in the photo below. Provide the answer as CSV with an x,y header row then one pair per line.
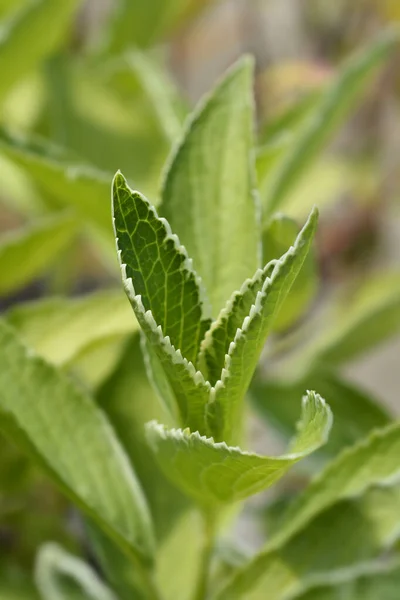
x,y
56,570
28,253
30,35
318,548
165,294
159,92
335,105
370,581
128,419
244,351
61,329
356,412
374,461
358,322
208,195
214,474
86,189
279,234
142,24
63,430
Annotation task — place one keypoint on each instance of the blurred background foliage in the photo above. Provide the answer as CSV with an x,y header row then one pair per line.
x,y
89,87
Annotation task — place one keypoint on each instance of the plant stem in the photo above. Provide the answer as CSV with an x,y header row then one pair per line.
x,y
208,546
149,585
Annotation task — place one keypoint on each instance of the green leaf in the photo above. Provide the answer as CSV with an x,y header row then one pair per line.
x,y
335,104
165,294
358,322
56,570
370,463
160,92
368,581
244,351
280,233
30,35
214,473
142,24
208,195
356,413
318,548
29,252
218,338
61,329
73,184
63,430
128,419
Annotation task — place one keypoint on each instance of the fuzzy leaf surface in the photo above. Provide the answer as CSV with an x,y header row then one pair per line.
x,y
214,474
165,294
279,234
245,349
64,432
32,250
208,195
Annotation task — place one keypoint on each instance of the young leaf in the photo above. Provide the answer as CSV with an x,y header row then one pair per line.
x,y
61,329
208,195
333,108
218,338
214,473
165,294
28,252
243,353
356,412
39,27
63,430
373,461
55,567
279,234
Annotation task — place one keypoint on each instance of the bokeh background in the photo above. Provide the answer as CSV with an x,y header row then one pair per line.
x,y
98,86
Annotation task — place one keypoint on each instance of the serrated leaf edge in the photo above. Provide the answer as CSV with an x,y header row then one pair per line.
x,y
311,400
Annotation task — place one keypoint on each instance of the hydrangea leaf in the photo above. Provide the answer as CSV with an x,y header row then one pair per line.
x,y
64,431
214,474
209,191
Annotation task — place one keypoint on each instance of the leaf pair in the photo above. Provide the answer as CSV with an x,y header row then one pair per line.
x,y
203,372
